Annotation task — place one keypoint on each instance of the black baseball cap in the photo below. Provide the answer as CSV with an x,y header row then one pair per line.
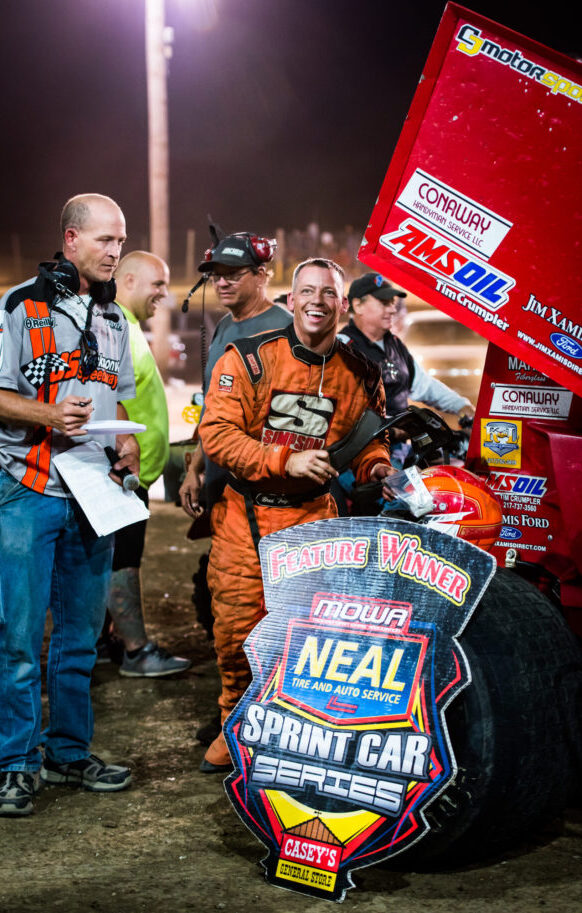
x,y
233,250
376,285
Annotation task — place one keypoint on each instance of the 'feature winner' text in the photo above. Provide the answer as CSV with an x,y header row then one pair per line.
x,y
397,553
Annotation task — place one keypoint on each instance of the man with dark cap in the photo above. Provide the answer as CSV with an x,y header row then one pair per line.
x,y
282,300
237,267
374,304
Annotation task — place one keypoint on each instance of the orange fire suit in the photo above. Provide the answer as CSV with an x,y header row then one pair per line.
x,y
269,396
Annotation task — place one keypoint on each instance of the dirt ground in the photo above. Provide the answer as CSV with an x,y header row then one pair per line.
x,y
173,843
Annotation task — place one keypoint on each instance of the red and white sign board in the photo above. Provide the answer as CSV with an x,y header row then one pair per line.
x,y
480,213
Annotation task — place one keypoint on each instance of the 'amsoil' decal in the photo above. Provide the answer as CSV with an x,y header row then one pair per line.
x,y
430,252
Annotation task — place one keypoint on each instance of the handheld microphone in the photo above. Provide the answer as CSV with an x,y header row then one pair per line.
x,y
129,480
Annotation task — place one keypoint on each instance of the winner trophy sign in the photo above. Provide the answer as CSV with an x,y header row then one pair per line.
x,y
340,742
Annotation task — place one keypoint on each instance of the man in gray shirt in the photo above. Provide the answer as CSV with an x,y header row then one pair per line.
x,y
64,359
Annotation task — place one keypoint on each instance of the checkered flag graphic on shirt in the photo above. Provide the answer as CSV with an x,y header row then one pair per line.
x,y
36,370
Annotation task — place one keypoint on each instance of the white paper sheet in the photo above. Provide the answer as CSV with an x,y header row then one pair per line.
x,y
107,506
114,426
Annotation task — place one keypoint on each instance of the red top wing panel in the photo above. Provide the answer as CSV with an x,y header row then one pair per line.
x,y
481,207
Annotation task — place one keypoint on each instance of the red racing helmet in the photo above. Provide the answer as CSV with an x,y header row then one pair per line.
x,y
464,500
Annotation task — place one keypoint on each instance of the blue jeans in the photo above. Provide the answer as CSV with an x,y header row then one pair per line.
x,y
49,557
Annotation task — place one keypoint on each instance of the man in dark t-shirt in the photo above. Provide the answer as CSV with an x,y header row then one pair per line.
x,y
237,265
238,269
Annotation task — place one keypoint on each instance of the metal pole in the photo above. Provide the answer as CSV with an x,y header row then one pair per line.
x,y
190,254
156,62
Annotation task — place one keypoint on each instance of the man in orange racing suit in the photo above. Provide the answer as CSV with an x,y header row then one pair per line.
x,y
275,403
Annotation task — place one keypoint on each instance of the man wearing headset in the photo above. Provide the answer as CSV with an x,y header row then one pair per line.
x,y
276,403
64,359
238,267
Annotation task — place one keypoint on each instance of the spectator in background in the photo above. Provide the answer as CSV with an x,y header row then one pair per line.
x,y
282,300
142,282
238,267
373,304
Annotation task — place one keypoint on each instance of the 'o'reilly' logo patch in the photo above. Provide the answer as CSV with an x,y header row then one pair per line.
x,y
567,345
225,383
510,532
37,323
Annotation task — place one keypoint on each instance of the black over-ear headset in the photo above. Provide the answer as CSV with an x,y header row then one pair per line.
x,y
64,276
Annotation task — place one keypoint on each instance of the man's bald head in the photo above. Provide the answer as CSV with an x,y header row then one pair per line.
x,y
142,282
93,229
77,211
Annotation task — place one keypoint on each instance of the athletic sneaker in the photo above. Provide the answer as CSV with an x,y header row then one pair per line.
x,y
152,661
17,791
103,655
109,650
89,773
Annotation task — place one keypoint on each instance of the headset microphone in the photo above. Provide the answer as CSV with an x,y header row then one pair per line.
x,y
204,278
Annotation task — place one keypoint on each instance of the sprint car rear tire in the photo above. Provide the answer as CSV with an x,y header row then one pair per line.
x,y
516,730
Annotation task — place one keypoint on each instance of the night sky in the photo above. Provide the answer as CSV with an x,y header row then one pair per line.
x,y
287,111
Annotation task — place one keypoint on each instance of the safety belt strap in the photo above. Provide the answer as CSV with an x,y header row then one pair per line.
x,y
251,517
368,426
